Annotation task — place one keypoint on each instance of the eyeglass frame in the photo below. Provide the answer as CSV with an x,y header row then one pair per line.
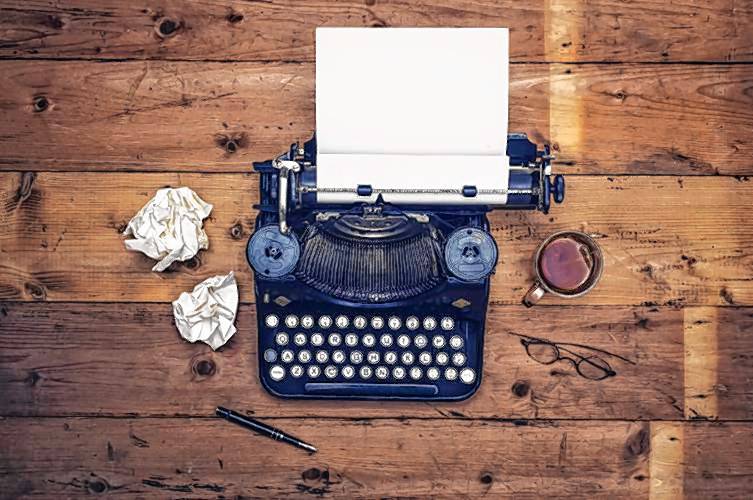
x,y
527,340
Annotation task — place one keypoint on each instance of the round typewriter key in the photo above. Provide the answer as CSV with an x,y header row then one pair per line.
x,y
359,322
299,339
411,323
296,371
451,374
291,321
338,357
458,359
287,356
456,341
351,340
317,339
381,372
368,340
430,323
348,371
407,358
342,321
335,339
394,323
277,373
432,373
377,322
385,340
330,372
424,358
271,321
390,357
447,323
403,341
415,373
372,357
356,357
442,358
398,372
365,372
270,355
322,356
467,375
281,338
438,341
325,322
307,321
314,371
421,341
304,356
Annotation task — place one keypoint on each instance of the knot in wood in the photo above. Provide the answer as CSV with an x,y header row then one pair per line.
x,y
97,486
167,27
193,263
40,104
205,368
234,17
236,231
36,291
521,388
311,474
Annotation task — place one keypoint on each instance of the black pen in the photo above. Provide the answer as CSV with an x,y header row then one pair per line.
x,y
263,429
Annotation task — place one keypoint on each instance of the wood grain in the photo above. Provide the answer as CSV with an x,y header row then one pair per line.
x,y
666,240
544,30
197,458
128,359
366,459
603,119
104,102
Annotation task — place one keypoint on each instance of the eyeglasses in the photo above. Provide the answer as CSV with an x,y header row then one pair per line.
x,y
593,367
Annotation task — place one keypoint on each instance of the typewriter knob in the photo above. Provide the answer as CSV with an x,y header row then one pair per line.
x,y
470,253
558,188
271,253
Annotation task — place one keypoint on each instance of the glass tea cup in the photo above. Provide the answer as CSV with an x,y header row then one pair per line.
x,y
567,264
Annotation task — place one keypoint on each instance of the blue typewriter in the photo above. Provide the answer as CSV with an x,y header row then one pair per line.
x,y
369,285
374,300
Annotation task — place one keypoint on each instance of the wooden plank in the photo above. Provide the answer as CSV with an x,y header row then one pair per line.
x,y
127,359
607,119
716,466
731,391
197,458
545,30
194,458
666,461
682,243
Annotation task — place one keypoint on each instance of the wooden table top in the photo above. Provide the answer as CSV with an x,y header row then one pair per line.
x,y
649,108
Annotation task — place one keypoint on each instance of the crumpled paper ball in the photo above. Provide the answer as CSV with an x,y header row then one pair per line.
x,y
208,312
170,227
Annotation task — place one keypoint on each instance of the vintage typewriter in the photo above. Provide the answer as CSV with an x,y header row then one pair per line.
x,y
369,292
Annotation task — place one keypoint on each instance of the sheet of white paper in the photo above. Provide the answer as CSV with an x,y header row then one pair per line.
x,y
414,172
417,107
170,227
208,312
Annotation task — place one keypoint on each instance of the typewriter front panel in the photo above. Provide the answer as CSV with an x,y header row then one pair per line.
x,y
428,349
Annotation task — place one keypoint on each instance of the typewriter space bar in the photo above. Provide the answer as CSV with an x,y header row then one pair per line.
x,y
365,390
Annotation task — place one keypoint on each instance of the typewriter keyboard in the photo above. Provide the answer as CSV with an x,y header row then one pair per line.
x,y
389,356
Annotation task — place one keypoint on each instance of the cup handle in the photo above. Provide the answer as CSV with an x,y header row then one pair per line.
x,y
533,295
